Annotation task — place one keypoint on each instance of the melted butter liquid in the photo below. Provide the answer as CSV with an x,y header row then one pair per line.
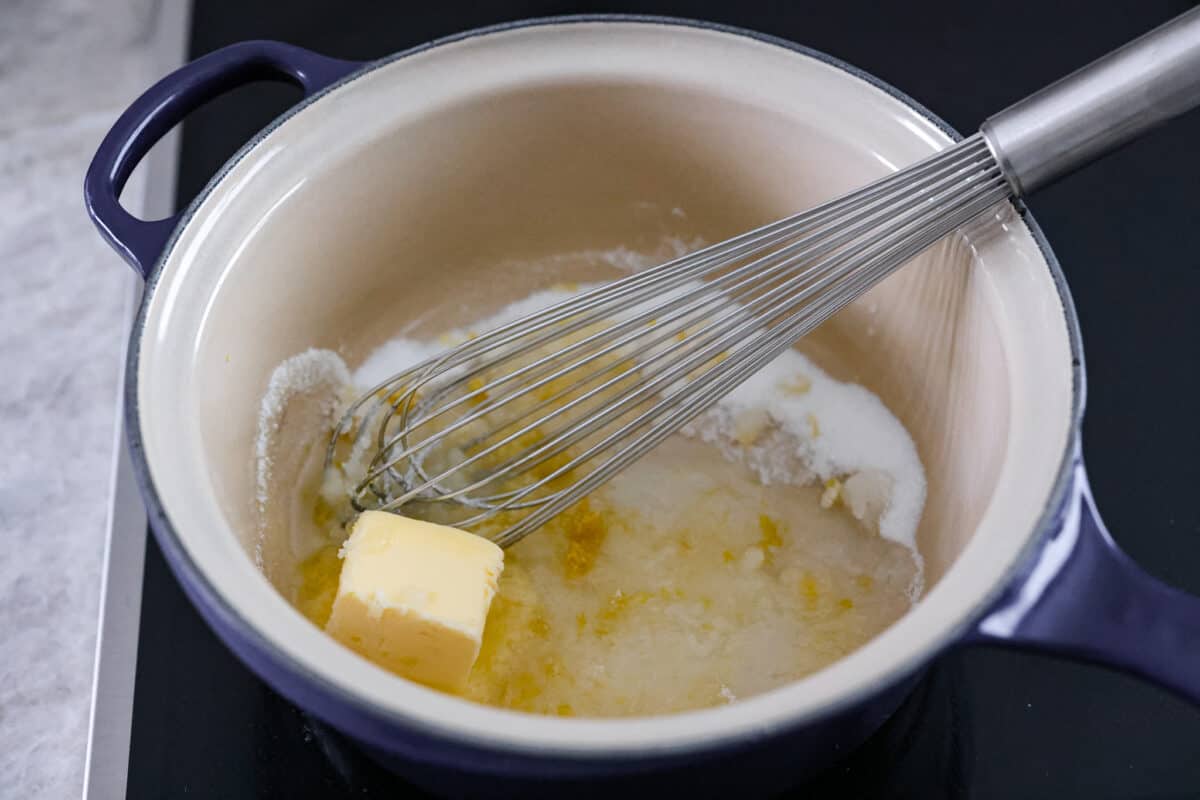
x,y
683,583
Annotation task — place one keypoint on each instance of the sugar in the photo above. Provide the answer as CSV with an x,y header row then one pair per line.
x,y
392,357
310,371
855,432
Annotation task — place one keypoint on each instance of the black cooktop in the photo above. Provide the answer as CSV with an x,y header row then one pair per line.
x,y
983,724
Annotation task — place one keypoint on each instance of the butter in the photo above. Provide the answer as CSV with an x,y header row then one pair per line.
x,y
413,597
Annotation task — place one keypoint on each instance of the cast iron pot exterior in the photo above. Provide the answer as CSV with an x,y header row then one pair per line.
x,y
1073,591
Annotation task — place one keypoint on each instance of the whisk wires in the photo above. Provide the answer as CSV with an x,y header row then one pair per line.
x,y
503,431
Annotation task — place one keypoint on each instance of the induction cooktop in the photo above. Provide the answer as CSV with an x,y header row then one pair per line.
x,y
176,714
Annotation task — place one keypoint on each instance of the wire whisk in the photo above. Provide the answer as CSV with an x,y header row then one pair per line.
x,y
506,430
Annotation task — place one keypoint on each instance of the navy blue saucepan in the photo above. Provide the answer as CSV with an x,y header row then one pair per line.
x,y
396,182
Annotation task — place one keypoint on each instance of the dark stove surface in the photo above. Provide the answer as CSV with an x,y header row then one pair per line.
x,y
983,724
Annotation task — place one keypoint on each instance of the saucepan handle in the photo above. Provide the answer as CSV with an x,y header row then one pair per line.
x,y
163,106
1084,598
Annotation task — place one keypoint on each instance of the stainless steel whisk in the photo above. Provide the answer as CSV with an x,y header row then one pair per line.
x,y
506,430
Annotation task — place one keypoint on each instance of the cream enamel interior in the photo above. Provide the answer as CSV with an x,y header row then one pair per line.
x,y
388,202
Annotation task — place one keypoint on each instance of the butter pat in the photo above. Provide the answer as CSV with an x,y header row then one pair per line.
x,y
413,597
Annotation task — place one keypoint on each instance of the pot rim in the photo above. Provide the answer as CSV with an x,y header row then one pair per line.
x,y
220,612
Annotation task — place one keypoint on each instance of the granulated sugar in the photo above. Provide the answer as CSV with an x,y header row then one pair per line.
x,y
815,426
307,372
381,364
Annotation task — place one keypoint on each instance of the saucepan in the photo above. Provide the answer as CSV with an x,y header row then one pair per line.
x,y
396,184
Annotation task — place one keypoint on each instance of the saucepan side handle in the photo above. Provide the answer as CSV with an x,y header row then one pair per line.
x,y
1085,599
163,106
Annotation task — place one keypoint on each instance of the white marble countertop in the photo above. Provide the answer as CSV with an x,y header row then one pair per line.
x,y
67,68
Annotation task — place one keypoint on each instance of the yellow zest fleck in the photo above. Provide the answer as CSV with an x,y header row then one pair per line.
x,y
797,385
539,627
347,436
474,385
845,604
865,582
581,621
564,710
810,591
322,512
679,337
521,691
770,532
814,429
685,544
585,531
530,437
727,556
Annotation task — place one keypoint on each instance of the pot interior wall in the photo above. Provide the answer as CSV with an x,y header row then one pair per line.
x,y
429,226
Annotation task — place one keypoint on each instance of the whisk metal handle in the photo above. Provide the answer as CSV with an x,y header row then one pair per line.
x,y
1100,107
